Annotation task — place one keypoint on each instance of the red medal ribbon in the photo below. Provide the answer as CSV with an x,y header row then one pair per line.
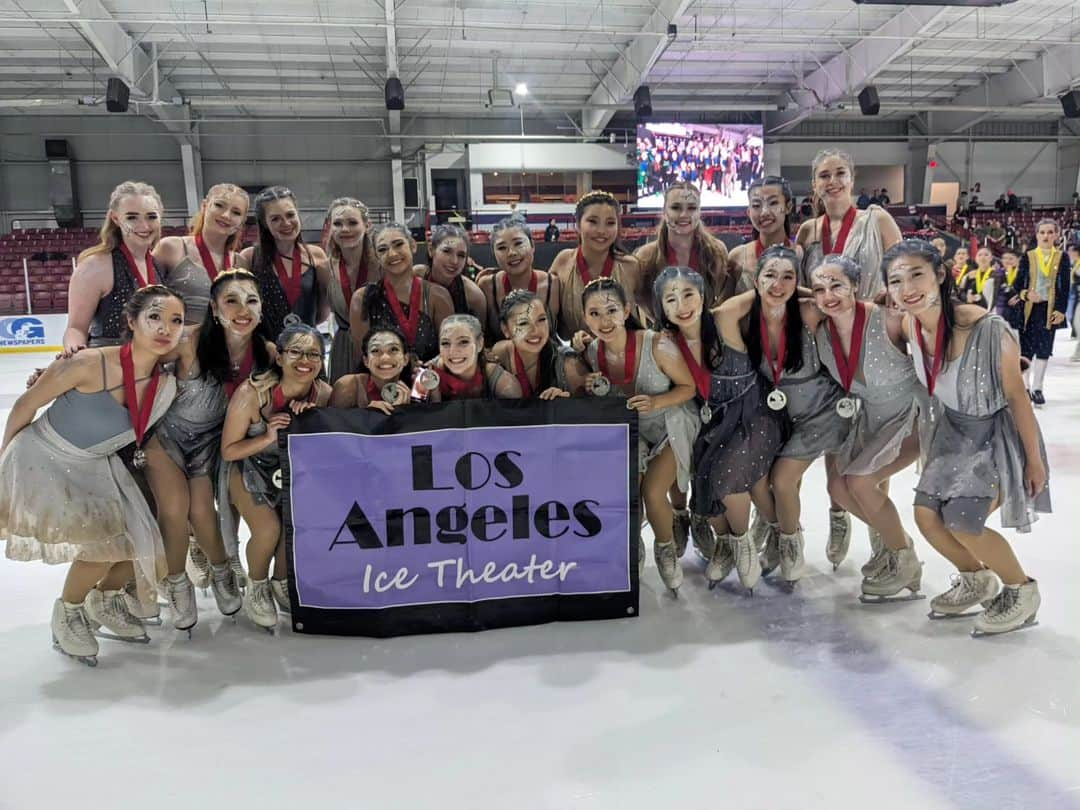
x,y
932,370
453,387
522,375
759,246
629,363
374,393
151,275
701,376
841,240
291,284
410,325
242,374
776,368
277,396
138,412
506,282
208,259
343,275
847,365
583,267
695,257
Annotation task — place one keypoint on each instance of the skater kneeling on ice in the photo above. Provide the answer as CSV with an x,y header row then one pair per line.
x,y
985,451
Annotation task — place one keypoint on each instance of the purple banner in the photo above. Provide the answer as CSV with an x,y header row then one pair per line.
x,y
459,515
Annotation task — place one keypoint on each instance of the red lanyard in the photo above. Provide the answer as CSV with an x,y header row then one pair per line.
x,y
151,277
522,375
346,285
138,412
410,325
291,284
452,387
932,369
242,373
695,257
506,282
701,376
845,228
208,258
277,396
373,392
629,363
583,267
777,368
759,246
846,365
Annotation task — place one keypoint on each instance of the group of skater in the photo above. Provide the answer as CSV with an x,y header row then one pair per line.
x,y
184,358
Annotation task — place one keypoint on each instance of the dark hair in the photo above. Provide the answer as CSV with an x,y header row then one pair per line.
x,y
598,197
548,355
608,284
263,260
212,351
140,300
793,360
848,266
710,338
785,188
510,224
440,233
921,249
406,373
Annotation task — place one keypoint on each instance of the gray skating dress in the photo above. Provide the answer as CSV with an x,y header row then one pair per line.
x,y
678,425
737,448
190,279
65,494
890,397
812,394
974,454
343,359
257,473
863,245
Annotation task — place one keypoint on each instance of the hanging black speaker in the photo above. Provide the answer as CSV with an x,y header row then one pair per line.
x,y
116,96
412,192
869,102
394,93
1070,103
642,102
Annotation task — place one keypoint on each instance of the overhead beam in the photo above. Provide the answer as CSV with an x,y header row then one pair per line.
x,y
1046,76
397,176
632,66
856,67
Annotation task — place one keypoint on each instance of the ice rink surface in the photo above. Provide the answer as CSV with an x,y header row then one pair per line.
x,y
802,700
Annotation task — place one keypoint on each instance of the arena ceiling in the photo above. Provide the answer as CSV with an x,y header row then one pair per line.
x,y
582,61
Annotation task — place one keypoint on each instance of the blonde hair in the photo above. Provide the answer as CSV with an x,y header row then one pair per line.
x,y
198,222
712,251
110,237
331,245
821,157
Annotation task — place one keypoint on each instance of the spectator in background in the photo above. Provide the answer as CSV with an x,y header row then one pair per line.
x,y
884,197
875,199
995,237
1000,204
1076,200
1013,203
806,210
1071,315
864,200
941,245
551,232
1012,235
925,223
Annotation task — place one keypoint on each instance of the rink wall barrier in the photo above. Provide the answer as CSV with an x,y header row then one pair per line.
x,y
31,333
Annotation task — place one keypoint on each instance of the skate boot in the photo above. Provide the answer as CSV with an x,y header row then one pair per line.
x,y
238,572
109,609
259,604
792,561
770,555
721,562
180,594
197,566
703,536
759,531
1013,609
640,557
668,565
681,528
71,633
280,589
877,554
969,588
746,559
839,537
226,594
901,571
148,615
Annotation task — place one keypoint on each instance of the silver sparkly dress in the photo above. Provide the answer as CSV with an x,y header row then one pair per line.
x,y
863,245
974,454
191,431
889,394
812,394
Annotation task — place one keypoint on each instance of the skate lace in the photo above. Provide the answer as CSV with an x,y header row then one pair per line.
x,y
889,569
78,623
788,546
199,560
963,589
264,599
180,597
1004,603
837,528
667,555
743,552
118,607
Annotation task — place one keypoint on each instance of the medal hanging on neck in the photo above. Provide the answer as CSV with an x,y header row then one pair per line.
x,y
522,375
138,412
1045,265
981,278
777,399
759,246
700,374
240,372
151,276
695,257
410,325
453,387
292,285
629,363
583,267
931,370
507,289
827,246
207,258
847,406
277,396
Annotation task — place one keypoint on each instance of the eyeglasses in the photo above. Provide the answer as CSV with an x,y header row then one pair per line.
x,y
296,354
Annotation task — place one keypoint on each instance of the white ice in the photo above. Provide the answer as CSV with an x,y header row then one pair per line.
x,y
807,700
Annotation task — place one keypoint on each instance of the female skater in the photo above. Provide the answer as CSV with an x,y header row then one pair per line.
x,y
985,452
979,285
514,252
385,383
351,263
448,254
102,400
463,371
770,210
530,354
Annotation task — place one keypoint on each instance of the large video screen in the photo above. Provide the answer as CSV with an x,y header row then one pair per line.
x,y
720,159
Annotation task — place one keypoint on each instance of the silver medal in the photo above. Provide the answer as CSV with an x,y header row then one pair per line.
x,y
391,393
429,379
705,413
776,400
600,387
847,407
292,319
138,461
276,479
